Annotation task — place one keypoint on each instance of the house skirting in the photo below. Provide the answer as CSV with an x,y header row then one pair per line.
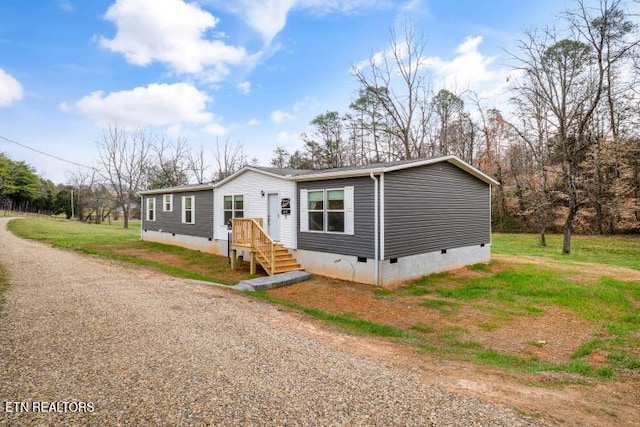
x,y
347,267
202,244
415,266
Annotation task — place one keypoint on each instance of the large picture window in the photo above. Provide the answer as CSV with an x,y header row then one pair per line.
x,y
327,210
151,209
233,207
188,209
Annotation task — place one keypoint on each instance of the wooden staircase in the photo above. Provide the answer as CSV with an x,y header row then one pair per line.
x,y
248,235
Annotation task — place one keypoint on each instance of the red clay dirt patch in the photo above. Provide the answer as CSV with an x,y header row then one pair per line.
x,y
549,337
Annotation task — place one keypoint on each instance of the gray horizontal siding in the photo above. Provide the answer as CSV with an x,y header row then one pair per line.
x,y
361,243
171,222
434,207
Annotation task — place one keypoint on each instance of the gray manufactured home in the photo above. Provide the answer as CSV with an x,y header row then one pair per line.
x,y
379,224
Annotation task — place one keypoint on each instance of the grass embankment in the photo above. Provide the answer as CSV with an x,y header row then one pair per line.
x,y
114,242
623,251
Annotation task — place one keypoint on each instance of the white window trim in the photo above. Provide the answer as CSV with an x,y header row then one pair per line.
x,y
193,209
348,211
151,201
164,203
233,209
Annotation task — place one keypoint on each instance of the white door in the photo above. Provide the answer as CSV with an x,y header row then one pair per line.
x,y
273,217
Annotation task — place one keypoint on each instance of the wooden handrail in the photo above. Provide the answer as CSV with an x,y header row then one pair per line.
x,y
248,232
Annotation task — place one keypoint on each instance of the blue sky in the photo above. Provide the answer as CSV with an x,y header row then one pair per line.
x,y
255,72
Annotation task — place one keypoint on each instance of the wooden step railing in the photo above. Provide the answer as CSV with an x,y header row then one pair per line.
x,y
247,234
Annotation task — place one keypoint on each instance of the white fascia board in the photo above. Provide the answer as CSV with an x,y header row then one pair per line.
x,y
179,189
335,175
246,169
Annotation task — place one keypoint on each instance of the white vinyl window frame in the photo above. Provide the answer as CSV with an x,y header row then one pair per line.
x,y
314,212
232,207
348,209
151,209
167,203
188,209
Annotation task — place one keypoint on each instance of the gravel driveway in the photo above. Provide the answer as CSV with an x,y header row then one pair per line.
x,y
104,344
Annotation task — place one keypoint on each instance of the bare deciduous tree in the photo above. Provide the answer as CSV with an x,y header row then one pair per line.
x,y
228,158
397,81
124,157
169,165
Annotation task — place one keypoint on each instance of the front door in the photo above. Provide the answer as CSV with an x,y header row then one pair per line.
x,y
273,217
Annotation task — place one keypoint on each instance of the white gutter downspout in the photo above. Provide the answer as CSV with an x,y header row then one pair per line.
x,y
142,216
381,271
376,256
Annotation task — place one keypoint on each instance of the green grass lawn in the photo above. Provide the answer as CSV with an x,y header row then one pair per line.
x,y
623,251
612,305
72,234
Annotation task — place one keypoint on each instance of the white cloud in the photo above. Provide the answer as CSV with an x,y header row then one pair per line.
x,y
269,17
244,88
253,122
10,89
469,68
66,5
215,129
279,116
343,6
172,32
288,137
156,104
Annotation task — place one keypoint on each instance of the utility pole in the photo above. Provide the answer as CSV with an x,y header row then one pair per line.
x,y
72,210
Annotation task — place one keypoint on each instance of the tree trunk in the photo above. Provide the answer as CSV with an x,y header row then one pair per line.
x,y
568,226
125,215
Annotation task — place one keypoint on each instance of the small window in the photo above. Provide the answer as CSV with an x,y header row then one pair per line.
x,y
151,209
188,209
316,210
362,259
233,207
393,261
167,205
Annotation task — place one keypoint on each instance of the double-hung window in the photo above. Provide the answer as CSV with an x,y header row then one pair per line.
x,y
335,211
233,207
188,209
315,203
151,209
327,210
167,203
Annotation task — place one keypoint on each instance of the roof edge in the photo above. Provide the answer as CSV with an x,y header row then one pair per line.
x,y
382,169
246,169
178,189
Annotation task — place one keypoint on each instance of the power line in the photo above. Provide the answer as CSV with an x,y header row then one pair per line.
x,y
45,154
